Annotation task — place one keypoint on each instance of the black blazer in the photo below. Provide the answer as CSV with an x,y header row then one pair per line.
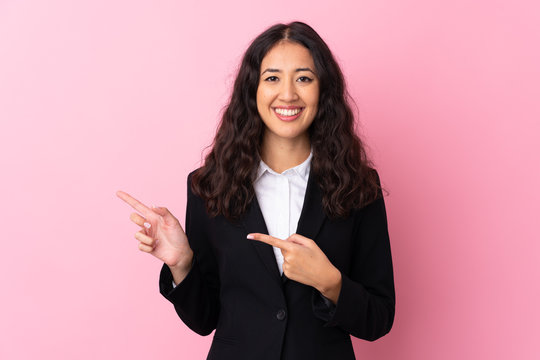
x,y
235,287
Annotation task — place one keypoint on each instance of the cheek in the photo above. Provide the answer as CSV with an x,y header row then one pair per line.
x,y
314,104
315,98
311,97
261,99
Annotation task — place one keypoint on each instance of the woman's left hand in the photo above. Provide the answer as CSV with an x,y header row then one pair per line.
x,y
305,262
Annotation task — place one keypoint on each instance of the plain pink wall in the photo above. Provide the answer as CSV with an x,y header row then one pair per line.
x,y
97,96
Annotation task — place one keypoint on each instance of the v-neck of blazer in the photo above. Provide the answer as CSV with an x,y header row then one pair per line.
x,y
311,219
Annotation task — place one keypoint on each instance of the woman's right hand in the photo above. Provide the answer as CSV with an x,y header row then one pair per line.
x,y
162,236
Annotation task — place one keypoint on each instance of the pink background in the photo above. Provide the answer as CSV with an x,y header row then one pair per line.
x,y
97,96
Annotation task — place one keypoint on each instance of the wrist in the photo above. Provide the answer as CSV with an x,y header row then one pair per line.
x,y
332,286
184,263
181,269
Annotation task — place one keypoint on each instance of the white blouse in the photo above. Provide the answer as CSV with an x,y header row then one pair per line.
x,y
281,197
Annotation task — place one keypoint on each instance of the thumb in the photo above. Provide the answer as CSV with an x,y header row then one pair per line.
x,y
163,211
159,210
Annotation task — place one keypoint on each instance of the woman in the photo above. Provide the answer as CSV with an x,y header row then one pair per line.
x,y
286,250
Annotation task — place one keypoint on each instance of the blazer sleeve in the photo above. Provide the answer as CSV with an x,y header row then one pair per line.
x,y
196,298
366,302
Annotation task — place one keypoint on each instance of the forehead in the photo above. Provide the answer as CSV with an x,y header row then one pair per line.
x,y
286,55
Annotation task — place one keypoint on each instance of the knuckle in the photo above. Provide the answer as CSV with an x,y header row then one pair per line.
x,y
144,247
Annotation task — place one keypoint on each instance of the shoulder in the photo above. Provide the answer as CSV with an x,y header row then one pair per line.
x,y
371,183
373,195
372,174
193,196
376,179
190,179
190,175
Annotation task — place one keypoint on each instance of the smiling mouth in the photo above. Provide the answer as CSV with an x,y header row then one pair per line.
x,y
288,114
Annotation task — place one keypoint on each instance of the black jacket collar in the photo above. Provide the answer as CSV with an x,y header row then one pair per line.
x,y
309,224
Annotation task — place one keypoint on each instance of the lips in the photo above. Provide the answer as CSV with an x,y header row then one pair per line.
x,y
288,113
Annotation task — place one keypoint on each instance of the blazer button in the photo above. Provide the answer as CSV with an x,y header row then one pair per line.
x,y
281,314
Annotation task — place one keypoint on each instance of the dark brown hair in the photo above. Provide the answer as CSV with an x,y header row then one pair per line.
x,y
339,162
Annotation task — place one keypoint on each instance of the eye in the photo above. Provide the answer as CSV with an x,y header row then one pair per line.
x,y
271,78
304,79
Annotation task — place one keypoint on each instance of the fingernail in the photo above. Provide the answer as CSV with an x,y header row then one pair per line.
x,y
147,225
250,236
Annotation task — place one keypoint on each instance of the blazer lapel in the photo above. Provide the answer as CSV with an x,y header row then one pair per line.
x,y
254,223
312,215
309,224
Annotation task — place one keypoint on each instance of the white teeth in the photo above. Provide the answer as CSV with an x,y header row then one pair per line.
x,y
288,112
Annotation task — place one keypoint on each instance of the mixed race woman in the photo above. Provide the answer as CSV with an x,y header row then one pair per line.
x,y
286,250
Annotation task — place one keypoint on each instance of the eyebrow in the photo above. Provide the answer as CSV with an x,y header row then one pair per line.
x,y
297,70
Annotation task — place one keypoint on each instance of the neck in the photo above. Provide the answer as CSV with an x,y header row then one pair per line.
x,y
282,154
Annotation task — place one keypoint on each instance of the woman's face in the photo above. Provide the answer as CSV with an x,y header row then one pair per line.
x,y
288,91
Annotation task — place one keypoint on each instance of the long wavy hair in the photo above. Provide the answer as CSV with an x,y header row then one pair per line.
x,y
339,161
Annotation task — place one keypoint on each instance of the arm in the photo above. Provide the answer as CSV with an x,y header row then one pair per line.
x,y
196,297
366,302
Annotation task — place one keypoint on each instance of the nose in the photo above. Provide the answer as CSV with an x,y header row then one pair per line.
x,y
288,91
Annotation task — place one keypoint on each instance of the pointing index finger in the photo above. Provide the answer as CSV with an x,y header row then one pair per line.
x,y
136,204
270,240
